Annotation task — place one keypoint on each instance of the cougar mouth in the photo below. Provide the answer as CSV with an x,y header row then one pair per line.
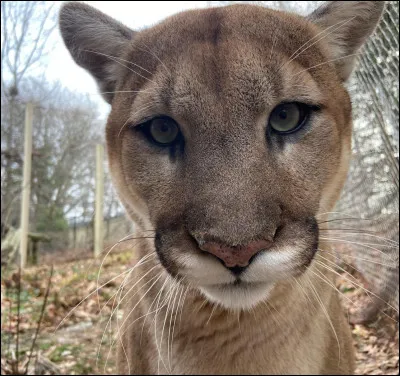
x,y
239,287
238,295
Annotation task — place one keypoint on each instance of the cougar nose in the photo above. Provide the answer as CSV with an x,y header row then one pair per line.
x,y
237,256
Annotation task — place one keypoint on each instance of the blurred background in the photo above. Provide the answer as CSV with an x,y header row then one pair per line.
x,y
42,86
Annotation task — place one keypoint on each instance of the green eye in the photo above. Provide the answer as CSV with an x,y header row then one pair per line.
x,y
163,131
288,117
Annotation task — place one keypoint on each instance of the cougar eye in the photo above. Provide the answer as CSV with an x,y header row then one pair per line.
x,y
162,130
288,117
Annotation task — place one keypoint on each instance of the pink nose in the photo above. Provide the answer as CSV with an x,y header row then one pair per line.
x,y
236,256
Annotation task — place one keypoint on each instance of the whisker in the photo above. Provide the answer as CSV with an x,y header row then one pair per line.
x,y
105,250
101,265
201,305
116,60
170,327
177,311
126,356
126,61
324,279
183,303
341,261
149,90
88,296
137,238
165,318
154,55
122,285
138,302
212,311
364,245
351,266
155,327
111,316
304,292
154,300
350,215
143,108
267,304
326,314
170,293
363,259
340,23
325,62
351,231
141,317
119,302
135,284
336,265
123,126
351,281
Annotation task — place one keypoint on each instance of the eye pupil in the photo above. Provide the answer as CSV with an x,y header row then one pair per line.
x,y
288,117
161,130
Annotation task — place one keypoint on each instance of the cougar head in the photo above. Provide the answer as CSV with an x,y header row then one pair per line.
x,y
229,133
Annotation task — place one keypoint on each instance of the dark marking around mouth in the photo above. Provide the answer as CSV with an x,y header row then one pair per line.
x,y
237,270
314,230
168,265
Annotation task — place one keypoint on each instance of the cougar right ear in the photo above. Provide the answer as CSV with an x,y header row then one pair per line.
x,y
348,24
94,40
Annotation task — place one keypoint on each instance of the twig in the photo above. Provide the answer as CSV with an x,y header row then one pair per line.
x,y
9,328
36,361
40,318
18,314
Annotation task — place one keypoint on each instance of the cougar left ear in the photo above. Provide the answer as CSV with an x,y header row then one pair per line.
x,y
95,42
350,23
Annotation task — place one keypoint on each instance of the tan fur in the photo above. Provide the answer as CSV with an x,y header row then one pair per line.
x,y
219,73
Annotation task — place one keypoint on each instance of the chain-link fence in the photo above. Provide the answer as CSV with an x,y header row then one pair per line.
x,y
372,188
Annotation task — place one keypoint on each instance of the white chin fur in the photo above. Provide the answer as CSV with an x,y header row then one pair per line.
x,y
237,298
216,282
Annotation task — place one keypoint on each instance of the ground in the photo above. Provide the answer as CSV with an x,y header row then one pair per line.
x,y
74,347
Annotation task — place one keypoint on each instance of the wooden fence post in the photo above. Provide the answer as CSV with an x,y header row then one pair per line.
x,y
26,185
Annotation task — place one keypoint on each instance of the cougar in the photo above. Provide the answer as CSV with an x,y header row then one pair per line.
x,y
229,141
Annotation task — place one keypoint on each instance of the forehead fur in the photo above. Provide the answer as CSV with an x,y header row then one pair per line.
x,y
239,52
240,22
225,31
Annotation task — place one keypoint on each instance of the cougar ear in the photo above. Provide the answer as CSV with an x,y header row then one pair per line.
x,y
94,41
347,25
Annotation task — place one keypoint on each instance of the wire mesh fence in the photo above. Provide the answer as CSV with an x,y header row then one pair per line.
x,y
77,241
371,193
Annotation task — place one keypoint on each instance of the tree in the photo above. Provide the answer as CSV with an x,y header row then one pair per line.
x,y
26,27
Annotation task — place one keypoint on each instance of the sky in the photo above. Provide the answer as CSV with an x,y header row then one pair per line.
x,y
135,14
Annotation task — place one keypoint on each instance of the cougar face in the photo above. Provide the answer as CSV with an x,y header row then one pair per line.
x,y
229,136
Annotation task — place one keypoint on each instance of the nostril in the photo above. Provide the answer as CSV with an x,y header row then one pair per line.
x,y
236,256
